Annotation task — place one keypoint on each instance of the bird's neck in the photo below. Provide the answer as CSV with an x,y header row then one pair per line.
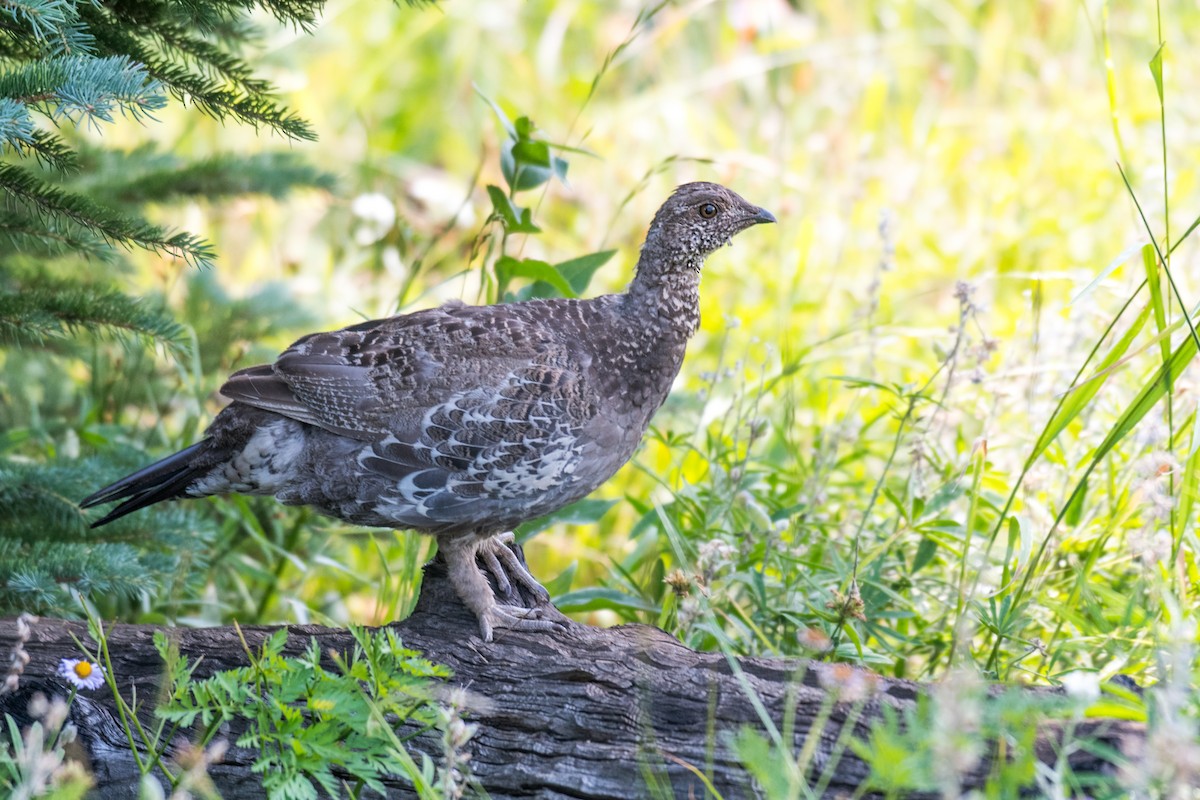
x,y
659,313
664,299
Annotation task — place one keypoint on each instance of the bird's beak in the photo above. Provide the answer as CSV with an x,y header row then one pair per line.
x,y
761,215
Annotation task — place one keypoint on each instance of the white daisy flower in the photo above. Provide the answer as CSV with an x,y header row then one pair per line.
x,y
81,673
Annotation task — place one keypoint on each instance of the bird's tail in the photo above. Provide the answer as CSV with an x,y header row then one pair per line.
x,y
162,480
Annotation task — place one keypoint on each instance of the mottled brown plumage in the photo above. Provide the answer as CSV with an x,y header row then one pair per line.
x,y
462,421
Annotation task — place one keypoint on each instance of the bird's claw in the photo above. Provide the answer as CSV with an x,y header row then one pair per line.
x,y
513,618
505,567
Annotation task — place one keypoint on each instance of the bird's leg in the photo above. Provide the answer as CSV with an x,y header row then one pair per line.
x,y
505,566
472,587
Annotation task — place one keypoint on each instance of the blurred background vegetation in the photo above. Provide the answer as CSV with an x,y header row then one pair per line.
x,y
834,469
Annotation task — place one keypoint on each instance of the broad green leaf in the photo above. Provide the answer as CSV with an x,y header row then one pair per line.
x,y
508,268
532,152
559,165
945,494
527,164
503,206
515,218
1107,710
579,271
524,128
925,552
1075,509
562,582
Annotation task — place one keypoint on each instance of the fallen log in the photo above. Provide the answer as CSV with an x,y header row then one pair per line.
x,y
585,713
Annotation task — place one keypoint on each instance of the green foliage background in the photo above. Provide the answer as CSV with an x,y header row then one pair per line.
x,y
871,377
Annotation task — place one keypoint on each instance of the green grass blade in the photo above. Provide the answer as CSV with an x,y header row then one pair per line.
x,y
1156,298
1191,484
1156,64
1110,82
1148,397
1082,395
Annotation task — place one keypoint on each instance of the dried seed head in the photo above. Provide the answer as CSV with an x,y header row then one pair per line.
x,y
679,582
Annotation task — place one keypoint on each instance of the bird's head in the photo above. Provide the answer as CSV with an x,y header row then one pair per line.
x,y
697,219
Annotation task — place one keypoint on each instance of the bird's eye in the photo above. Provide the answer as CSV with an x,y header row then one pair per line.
x,y
708,210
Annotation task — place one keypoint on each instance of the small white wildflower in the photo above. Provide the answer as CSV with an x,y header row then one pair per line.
x,y
81,673
458,732
715,551
378,215
1151,545
1082,686
374,207
1151,433
441,197
1156,465
963,292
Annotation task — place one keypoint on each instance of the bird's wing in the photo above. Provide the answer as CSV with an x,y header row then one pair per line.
x,y
382,377
514,441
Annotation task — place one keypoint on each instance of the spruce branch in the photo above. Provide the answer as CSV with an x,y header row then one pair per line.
x,y
49,150
214,16
103,222
39,314
217,100
164,180
95,87
79,88
216,97
49,238
48,552
209,59
55,24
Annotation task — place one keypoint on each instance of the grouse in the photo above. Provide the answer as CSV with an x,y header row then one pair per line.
x,y
462,421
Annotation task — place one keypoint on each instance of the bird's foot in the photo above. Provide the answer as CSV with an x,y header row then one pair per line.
x,y
473,588
505,567
514,618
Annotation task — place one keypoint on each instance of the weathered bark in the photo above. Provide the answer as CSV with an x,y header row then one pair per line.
x,y
578,713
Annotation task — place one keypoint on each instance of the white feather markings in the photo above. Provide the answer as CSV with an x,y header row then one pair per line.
x,y
264,465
